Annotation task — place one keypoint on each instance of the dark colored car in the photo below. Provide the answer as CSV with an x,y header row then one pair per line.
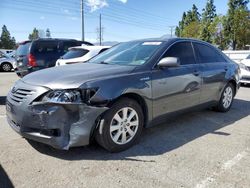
x,y
113,96
42,53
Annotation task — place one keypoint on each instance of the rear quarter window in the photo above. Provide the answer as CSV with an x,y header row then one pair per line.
x,y
207,54
74,53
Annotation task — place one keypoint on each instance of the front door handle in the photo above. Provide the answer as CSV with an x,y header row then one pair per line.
x,y
226,68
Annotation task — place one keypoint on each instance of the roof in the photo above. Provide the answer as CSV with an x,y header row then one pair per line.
x,y
162,39
54,39
89,47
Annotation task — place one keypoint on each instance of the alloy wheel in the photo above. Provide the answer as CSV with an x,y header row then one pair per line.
x,y
124,125
6,67
227,97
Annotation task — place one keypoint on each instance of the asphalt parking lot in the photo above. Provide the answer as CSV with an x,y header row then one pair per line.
x,y
199,149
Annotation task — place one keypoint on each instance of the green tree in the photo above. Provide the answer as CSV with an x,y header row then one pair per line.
x,y
236,23
179,29
6,41
34,35
216,28
190,24
208,15
191,30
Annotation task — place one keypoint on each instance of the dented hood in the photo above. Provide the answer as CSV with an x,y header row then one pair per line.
x,y
72,76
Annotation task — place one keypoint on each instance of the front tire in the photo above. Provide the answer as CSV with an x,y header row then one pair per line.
x,y
123,124
226,99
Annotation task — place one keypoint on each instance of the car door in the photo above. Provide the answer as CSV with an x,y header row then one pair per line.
x,y
214,68
176,88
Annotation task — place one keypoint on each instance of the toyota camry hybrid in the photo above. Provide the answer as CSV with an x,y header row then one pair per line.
x,y
116,94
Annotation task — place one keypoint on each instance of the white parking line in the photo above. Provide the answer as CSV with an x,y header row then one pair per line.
x,y
225,167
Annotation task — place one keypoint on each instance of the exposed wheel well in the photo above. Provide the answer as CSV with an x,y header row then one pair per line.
x,y
139,100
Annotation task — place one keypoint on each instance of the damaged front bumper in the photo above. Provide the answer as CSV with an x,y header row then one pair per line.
x,y
59,125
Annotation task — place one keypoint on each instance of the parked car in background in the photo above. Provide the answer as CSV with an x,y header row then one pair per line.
x,y
6,63
245,70
115,94
7,51
80,54
42,53
237,55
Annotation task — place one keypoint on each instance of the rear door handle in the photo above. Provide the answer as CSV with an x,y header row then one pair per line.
x,y
226,68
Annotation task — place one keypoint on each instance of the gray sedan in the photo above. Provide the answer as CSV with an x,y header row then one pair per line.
x,y
115,95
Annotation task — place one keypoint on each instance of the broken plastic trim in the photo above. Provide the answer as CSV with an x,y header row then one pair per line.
x,y
76,122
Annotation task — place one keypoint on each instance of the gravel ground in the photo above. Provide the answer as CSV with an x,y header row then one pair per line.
x,y
199,149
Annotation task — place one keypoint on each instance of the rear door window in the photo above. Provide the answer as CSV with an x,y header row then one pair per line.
x,y
67,44
46,47
207,54
183,51
23,49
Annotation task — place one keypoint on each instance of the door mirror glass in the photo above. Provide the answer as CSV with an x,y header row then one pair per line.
x,y
169,62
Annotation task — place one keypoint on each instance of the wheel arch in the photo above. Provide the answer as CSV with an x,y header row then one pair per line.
x,y
139,99
232,81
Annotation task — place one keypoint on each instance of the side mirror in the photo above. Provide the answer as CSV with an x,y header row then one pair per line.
x,y
169,62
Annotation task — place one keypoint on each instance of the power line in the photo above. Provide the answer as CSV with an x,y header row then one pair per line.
x,y
130,23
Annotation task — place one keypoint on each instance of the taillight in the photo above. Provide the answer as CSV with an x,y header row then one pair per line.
x,y
32,60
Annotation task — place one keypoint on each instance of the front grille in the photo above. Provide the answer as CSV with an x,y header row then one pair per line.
x,y
19,95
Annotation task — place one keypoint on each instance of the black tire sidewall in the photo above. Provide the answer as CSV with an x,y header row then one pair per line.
x,y
105,138
7,64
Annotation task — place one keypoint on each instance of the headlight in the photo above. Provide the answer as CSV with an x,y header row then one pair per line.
x,y
69,96
243,66
63,96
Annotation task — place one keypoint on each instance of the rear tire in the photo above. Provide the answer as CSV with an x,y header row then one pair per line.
x,y
6,67
226,99
123,124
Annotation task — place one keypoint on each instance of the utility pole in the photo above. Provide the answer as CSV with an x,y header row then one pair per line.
x,y
172,27
100,29
82,19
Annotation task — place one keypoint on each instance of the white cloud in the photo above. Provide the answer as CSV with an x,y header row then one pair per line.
x,y
73,18
66,11
123,1
96,4
42,17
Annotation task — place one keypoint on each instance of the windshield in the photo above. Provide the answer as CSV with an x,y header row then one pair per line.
x,y
23,49
128,53
74,53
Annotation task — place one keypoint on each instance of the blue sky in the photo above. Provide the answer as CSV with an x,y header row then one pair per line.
x,y
122,19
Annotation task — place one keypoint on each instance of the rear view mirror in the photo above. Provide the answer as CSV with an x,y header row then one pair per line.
x,y
169,62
